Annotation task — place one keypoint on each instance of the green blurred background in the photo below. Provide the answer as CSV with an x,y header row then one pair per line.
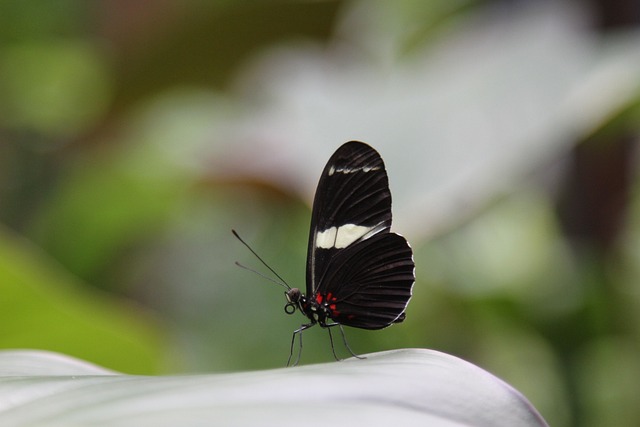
x,y
135,134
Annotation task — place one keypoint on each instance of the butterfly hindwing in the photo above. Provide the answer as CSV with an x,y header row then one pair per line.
x,y
368,285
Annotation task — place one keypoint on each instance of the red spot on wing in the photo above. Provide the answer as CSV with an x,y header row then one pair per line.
x,y
319,298
334,312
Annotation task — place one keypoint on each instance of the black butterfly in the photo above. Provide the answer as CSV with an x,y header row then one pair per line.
x,y
359,273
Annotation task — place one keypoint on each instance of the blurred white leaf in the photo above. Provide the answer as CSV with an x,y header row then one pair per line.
x,y
457,121
403,387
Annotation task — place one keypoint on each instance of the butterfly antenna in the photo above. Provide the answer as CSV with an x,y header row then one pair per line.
x,y
284,282
284,285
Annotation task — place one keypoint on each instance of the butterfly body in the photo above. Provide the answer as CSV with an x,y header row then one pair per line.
x,y
318,310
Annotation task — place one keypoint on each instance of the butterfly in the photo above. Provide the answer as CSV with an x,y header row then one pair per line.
x,y
359,273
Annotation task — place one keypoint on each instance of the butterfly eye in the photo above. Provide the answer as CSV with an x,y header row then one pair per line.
x,y
293,295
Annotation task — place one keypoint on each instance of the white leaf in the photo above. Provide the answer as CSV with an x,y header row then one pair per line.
x,y
403,387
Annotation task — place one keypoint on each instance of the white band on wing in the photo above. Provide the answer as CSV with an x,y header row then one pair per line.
x,y
343,236
346,170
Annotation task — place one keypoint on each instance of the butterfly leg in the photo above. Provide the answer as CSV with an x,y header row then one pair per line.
x,y
344,340
346,344
333,348
293,340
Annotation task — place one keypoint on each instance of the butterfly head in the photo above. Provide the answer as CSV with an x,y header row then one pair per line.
x,y
294,300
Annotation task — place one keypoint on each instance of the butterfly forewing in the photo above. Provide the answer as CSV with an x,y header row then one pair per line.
x,y
352,201
354,264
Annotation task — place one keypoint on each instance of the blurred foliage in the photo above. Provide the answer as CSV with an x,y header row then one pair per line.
x,y
135,135
44,307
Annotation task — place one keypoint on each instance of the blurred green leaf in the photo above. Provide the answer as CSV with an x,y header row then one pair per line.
x,y
98,213
39,19
54,87
42,306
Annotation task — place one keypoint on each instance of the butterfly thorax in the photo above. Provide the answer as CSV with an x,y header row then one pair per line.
x,y
318,309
